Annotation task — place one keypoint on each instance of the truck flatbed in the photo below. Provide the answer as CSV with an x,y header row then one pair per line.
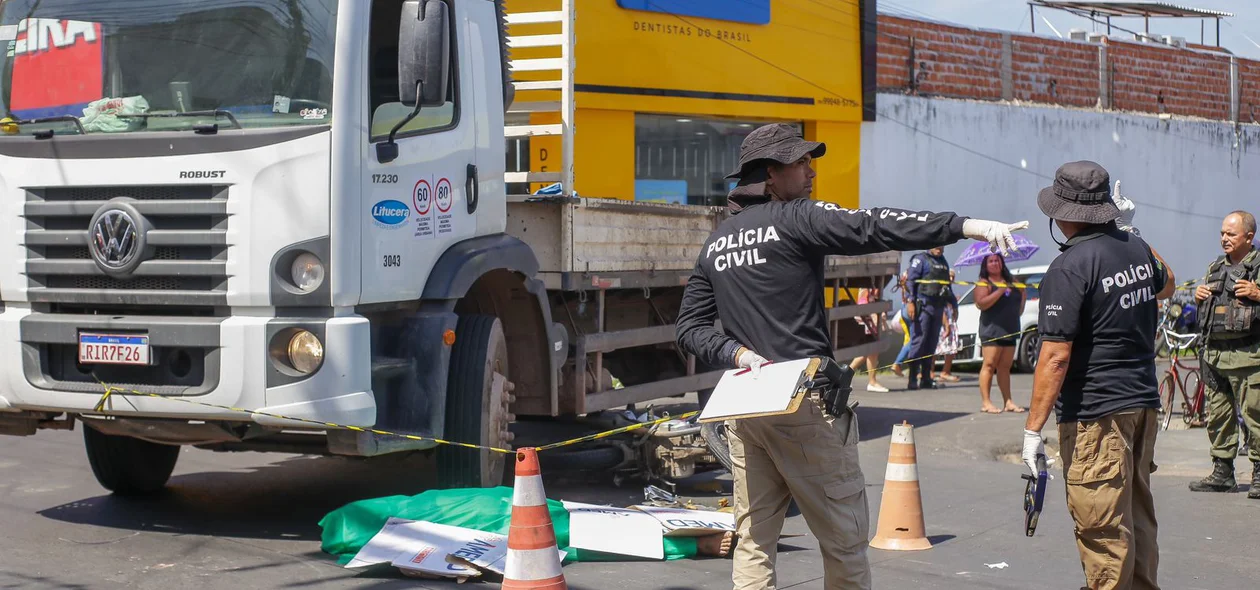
x,y
593,243
606,246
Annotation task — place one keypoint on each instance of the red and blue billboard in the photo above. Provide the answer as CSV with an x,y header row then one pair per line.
x,y
58,67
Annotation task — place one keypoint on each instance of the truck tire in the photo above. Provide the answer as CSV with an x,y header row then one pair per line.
x,y
129,466
714,435
598,458
476,405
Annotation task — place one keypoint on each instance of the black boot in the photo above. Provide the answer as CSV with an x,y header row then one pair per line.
x,y
1254,494
913,383
926,372
1221,480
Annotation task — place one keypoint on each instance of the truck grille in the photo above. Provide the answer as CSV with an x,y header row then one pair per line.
x,y
188,232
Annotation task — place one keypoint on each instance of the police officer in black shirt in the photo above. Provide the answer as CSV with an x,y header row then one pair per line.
x,y
1097,370
761,273
929,286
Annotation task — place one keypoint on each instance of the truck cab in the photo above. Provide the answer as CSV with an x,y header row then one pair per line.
x,y
278,225
201,213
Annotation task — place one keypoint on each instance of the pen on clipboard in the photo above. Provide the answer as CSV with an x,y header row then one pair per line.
x,y
750,368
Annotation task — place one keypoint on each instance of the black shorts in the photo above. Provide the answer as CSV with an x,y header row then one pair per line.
x,y
1008,342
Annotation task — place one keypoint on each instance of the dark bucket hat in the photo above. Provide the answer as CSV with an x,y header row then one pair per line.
x,y
777,142
1081,193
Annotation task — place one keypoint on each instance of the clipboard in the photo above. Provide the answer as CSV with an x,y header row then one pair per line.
x,y
777,390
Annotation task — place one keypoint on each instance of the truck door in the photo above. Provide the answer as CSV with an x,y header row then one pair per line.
x,y
415,206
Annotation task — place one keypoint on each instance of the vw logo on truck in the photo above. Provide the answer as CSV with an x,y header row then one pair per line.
x,y
116,239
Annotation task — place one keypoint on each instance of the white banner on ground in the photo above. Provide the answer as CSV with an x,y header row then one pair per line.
x,y
436,549
418,546
680,522
619,531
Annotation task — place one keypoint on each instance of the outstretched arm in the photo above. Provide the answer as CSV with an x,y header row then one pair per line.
x,y
836,230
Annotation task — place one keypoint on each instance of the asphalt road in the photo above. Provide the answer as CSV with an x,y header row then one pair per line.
x,y
249,520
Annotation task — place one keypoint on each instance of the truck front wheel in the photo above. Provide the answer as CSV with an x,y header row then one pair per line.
x,y
129,466
477,398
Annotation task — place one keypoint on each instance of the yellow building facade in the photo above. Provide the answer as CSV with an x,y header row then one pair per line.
x,y
665,91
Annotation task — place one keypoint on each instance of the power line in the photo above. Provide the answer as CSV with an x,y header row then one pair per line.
x,y
1245,35
1137,88
910,11
878,112
909,126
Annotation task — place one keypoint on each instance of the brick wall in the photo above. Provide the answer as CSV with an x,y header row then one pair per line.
x,y
1250,97
1056,73
960,62
950,61
1156,80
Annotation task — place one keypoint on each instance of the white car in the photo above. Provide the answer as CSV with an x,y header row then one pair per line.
x,y
1026,349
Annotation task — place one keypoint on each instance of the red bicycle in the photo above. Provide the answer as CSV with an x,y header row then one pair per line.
x,y
1193,399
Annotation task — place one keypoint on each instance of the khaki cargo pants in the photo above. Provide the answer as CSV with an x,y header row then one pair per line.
x,y
1239,392
1107,464
810,456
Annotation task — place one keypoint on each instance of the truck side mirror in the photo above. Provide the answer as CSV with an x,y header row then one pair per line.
x,y
424,53
424,64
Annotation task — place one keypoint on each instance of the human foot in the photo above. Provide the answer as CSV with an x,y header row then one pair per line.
x,y
896,369
717,545
1011,407
990,409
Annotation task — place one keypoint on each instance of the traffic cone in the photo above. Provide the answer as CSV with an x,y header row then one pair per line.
x,y
533,558
901,525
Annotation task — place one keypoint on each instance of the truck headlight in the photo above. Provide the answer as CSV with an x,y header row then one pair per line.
x,y
307,272
306,352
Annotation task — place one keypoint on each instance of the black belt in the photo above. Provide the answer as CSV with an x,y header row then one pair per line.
x,y
1216,343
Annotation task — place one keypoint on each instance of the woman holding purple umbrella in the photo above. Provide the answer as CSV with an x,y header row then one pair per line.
x,y
1001,304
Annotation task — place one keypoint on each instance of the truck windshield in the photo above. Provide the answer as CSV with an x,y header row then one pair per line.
x,y
120,66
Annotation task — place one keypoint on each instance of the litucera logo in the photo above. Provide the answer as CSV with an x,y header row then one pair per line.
x,y
391,213
756,12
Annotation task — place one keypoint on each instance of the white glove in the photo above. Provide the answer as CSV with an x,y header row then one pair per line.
x,y
1127,210
996,233
750,360
1033,446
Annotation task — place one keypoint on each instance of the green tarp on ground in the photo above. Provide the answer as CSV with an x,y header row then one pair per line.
x,y
349,528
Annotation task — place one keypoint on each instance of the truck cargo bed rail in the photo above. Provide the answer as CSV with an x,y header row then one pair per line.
x,y
542,65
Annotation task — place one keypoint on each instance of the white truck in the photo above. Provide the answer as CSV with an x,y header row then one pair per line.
x,y
300,208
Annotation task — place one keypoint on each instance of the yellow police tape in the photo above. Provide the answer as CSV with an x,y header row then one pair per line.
x,y
1183,286
111,391
980,343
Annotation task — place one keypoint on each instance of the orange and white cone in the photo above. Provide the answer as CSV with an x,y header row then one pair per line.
x,y
533,558
901,526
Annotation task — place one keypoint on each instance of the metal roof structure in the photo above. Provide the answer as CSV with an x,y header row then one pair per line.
x,y
1132,8
1144,9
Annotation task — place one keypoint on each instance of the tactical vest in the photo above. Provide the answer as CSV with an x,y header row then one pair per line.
x,y
1230,317
937,271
